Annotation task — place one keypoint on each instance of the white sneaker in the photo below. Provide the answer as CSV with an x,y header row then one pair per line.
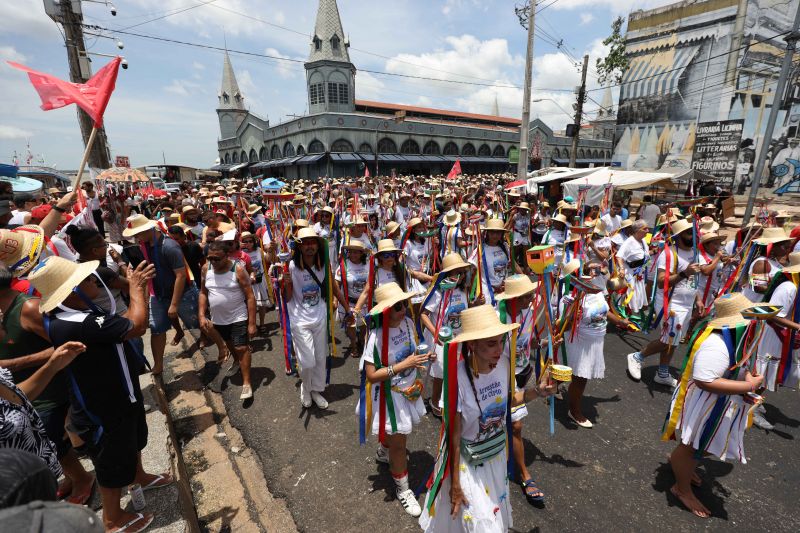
x,y
321,402
761,422
305,396
761,409
382,455
669,381
247,392
409,502
634,367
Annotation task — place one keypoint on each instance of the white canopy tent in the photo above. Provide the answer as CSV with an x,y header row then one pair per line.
x,y
562,173
619,179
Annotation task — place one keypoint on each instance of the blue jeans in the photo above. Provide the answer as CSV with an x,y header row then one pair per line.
x,y
187,311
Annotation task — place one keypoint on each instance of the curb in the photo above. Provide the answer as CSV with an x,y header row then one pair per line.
x,y
223,480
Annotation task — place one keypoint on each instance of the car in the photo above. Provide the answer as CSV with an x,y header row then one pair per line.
x,y
172,186
158,183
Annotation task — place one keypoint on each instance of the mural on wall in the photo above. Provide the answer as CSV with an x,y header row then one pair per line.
x,y
675,82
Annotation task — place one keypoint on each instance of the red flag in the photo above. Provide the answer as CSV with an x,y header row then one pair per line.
x,y
91,96
455,171
366,171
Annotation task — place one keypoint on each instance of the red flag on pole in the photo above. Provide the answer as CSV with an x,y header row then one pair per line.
x,y
455,171
91,96
366,171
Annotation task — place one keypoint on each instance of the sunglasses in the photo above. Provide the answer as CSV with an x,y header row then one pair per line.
x,y
387,255
215,259
400,306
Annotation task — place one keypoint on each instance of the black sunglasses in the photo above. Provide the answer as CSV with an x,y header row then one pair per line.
x,y
399,306
387,255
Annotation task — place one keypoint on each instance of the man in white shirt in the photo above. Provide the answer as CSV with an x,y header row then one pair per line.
x,y
93,201
649,212
612,219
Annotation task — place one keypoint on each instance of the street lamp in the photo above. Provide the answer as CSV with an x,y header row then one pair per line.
x,y
557,105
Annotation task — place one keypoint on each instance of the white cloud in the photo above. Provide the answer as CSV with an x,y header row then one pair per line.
x,y
586,18
368,87
9,53
12,132
618,7
182,87
198,65
27,17
285,69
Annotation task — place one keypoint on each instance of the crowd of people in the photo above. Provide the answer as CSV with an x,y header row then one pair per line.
x,y
463,300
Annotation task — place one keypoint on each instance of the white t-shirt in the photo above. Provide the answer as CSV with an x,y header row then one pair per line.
x,y
594,315
256,262
452,318
491,390
401,345
496,266
524,332
62,248
649,214
522,224
685,289
364,238
306,306
796,247
384,276
612,223
416,259
357,276
711,360
632,250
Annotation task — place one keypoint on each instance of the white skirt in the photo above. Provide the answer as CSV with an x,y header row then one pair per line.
x,y
407,414
637,285
261,293
585,355
673,328
727,440
486,489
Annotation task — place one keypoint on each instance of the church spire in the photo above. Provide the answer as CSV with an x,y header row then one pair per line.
x,y
607,105
496,107
328,42
230,97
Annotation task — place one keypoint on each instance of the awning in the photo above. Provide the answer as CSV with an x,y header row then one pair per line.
x,y
392,158
221,167
620,179
260,165
583,161
345,157
240,166
656,74
309,159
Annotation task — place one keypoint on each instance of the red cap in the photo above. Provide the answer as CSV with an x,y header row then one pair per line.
x,y
41,211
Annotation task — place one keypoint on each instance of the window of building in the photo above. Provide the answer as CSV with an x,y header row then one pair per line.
x,y
316,93
431,148
317,43
301,150
316,147
335,42
499,151
450,149
252,157
365,148
243,157
338,93
344,93
484,150
227,158
410,146
341,145
225,98
469,149
288,150
235,158
262,154
387,146
275,153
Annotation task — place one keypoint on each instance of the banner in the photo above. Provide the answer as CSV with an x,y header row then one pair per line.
x,y
716,150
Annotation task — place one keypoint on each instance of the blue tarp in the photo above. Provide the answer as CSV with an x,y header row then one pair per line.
x,y
272,183
8,170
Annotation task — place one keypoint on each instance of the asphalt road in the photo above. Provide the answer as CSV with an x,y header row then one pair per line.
x,y
612,477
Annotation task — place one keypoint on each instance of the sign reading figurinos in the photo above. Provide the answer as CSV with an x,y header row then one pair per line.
x,y
716,149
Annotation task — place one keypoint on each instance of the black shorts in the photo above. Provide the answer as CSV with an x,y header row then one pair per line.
x,y
53,420
235,333
523,377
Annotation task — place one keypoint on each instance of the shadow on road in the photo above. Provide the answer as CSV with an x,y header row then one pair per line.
x,y
711,492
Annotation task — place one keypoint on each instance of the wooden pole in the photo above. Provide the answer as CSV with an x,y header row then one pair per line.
x,y
89,143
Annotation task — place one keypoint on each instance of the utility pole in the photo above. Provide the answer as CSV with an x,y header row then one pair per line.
x,y
526,17
573,156
777,100
72,23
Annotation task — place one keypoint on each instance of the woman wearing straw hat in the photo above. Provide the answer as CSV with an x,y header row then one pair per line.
x,y
634,255
442,307
514,305
584,341
324,228
473,496
598,250
305,293
556,235
681,298
708,413
258,264
777,247
390,357
494,259
357,230
417,253
384,267
712,263
352,275
105,396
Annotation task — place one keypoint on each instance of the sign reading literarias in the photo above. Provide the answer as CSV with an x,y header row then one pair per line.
x,y
716,149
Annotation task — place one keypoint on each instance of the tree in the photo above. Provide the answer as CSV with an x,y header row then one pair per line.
x,y
612,67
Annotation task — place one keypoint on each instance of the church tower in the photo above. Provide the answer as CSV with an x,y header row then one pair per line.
x,y
330,76
230,109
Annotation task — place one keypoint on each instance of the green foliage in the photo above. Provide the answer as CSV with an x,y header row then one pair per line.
x,y
612,67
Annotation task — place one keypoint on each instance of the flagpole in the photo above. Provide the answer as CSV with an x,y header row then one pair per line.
x,y
88,149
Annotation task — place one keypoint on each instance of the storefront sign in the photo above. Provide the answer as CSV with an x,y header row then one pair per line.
x,y
716,150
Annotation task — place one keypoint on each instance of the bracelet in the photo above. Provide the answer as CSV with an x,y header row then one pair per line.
x,y
390,370
59,209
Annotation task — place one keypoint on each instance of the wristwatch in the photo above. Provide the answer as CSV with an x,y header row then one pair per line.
x,y
59,209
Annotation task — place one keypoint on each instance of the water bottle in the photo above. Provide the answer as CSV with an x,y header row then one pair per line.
x,y
137,496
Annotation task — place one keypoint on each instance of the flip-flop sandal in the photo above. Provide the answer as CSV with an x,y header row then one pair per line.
x,y
139,517
162,480
83,499
531,484
436,412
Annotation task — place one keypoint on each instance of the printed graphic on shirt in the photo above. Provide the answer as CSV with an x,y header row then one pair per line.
x,y
493,418
310,295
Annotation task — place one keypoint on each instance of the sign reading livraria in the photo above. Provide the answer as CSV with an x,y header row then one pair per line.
x,y
716,149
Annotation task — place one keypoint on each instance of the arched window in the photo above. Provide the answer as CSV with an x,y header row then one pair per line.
x,y
227,159
288,149
235,158
409,146
243,157
335,42
450,149
387,146
317,43
365,148
341,145
316,147
225,98
581,153
262,154
431,148
252,157
484,150
608,154
301,150
469,149
499,151
275,153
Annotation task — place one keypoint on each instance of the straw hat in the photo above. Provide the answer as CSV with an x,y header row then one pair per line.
x,y
680,226
570,267
306,233
387,245
544,204
728,310
662,219
711,236
55,277
626,223
600,229
494,224
359,220
481,322
772,235
453,261
355,244
708,225
188,208
391,227
451,218
524,205
136,224
21,248
221,200
560,218
301,223
516,286
389,294
794,264
328,209
224,214
252,209
244,235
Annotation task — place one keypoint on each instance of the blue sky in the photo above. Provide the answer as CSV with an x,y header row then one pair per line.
x,y
166,100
